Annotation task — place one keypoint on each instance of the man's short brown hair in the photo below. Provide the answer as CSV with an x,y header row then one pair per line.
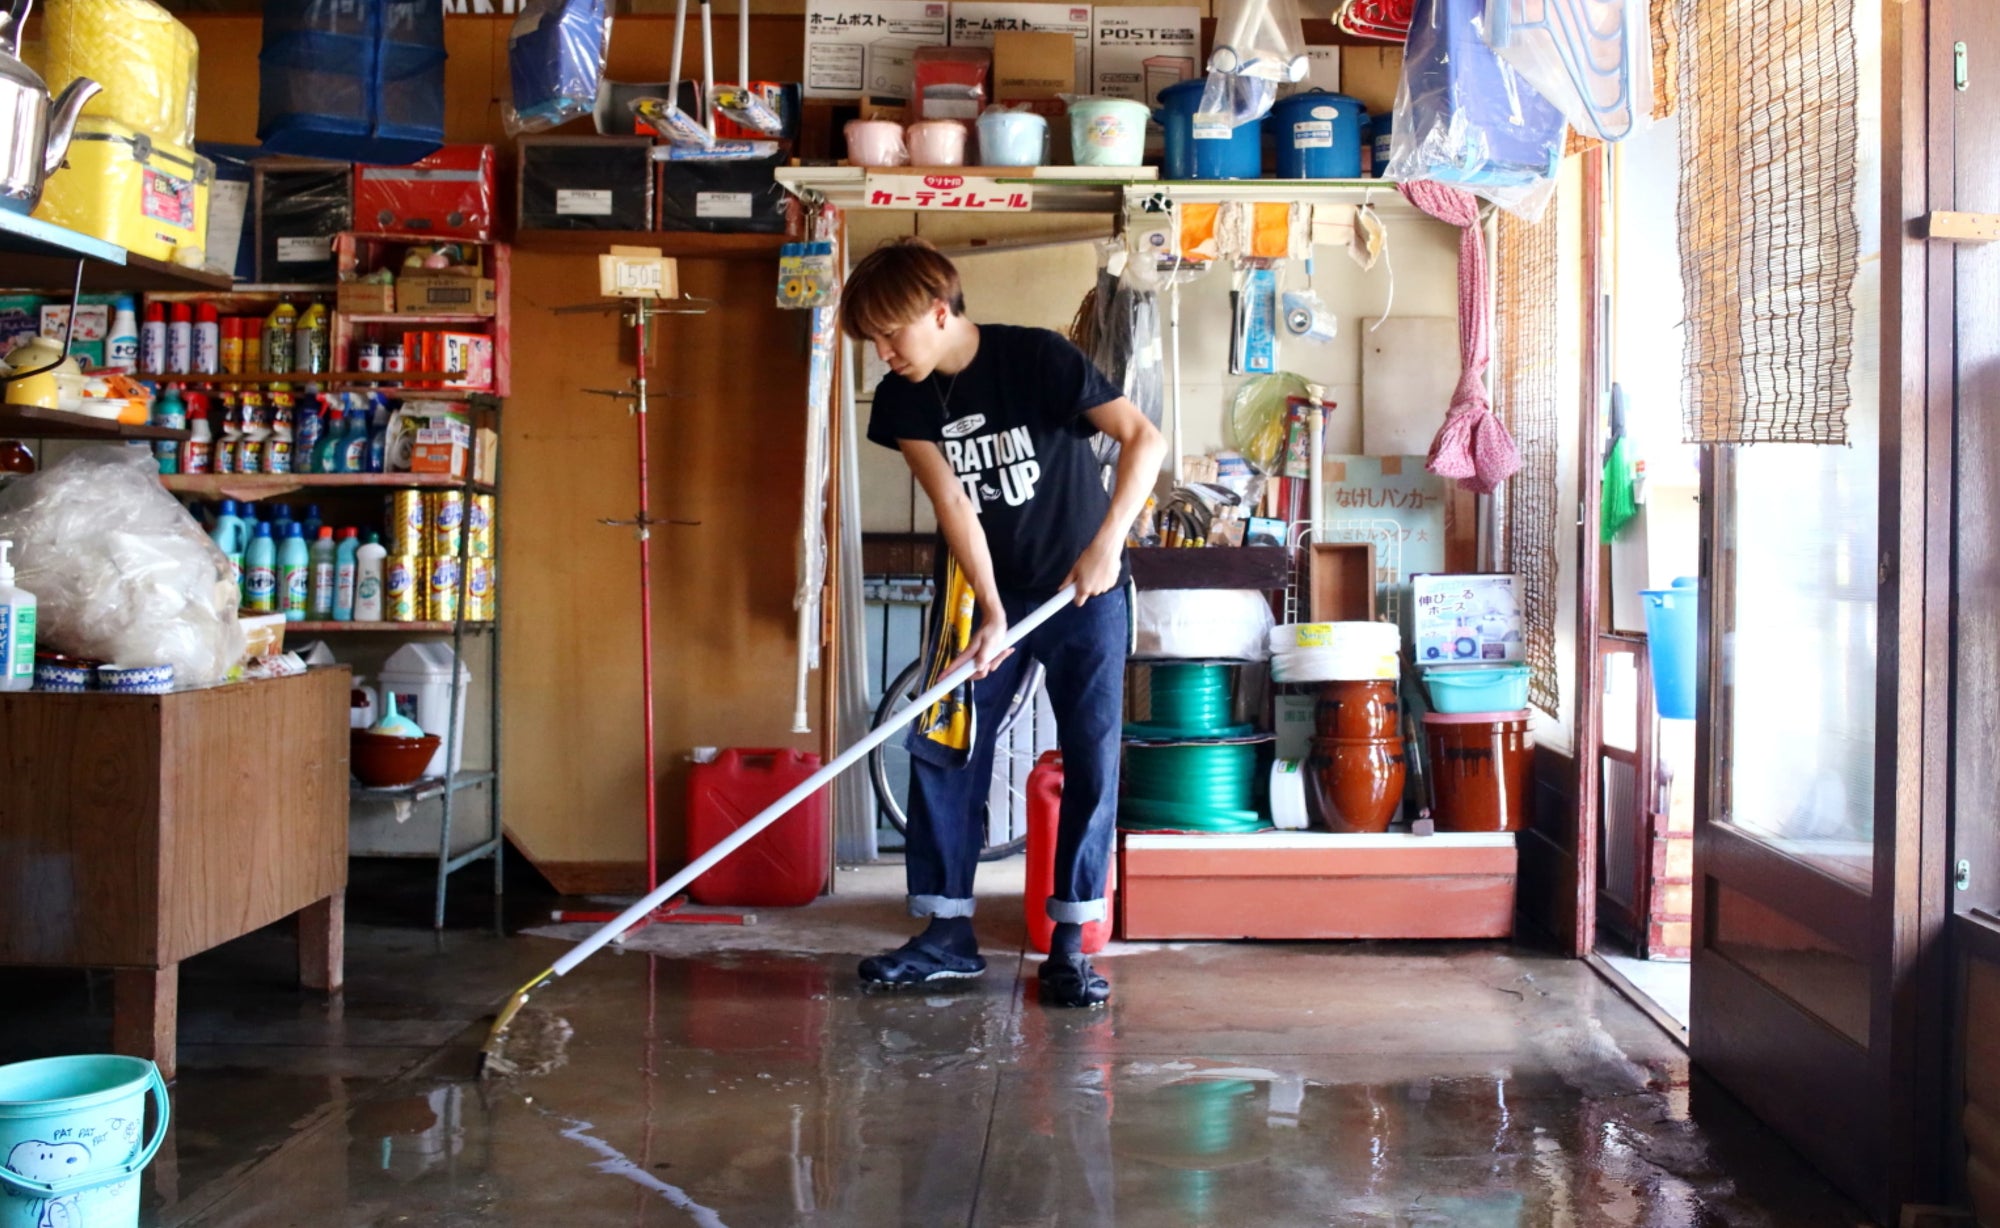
x,y
896,283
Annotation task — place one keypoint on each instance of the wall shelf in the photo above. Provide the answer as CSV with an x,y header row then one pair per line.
x,y
426,627
30,422
679,244
43,256
255,486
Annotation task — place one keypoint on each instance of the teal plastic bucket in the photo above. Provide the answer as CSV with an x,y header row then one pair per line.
x,y
1671,615
72,1139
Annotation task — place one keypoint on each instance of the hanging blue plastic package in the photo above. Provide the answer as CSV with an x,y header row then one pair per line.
x,y
352,80
555,58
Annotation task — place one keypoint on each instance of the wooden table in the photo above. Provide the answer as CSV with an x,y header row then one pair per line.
x,y
136,831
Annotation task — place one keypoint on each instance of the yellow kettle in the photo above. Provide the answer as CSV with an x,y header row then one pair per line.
x,y
39,354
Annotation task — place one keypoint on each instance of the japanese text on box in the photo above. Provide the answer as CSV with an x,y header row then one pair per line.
x,y
947,193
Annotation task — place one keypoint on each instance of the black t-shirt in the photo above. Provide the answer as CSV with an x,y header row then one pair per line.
x,y
1012,427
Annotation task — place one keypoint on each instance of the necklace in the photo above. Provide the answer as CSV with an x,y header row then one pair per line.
x,y
944,398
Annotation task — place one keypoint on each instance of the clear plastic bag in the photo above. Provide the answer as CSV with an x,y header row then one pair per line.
x,y
555,57
1259,45
1593,59
1466,118
143,57
120,570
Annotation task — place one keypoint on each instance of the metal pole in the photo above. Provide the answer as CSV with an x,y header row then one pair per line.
x,y
642,318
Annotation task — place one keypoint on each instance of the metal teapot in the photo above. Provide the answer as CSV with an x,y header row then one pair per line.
x,y
32,141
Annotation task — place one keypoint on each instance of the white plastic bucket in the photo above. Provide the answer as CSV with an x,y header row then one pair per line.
x,y
419,676
1108,131
1013,138
72,1139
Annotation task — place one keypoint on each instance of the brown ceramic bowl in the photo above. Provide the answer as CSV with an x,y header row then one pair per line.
x,y
384,762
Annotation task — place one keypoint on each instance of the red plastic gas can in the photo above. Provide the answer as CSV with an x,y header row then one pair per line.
x,y
1044,819
784,865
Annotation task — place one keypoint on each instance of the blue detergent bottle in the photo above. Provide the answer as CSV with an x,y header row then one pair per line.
x,y
260,572
294,572
230,536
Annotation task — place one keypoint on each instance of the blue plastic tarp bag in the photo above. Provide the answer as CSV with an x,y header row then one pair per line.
x,y
352,80
1465,117
555,60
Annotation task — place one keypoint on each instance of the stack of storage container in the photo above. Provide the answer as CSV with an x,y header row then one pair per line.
x,y
1469,645
133,177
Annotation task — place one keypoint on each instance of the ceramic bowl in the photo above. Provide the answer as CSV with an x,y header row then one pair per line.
x,y
382,761
135,680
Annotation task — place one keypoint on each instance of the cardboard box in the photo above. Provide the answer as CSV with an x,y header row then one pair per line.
x,y
637,272
372,298
471,353
1033,67
445,292
976,23
443,444
1467,619
839,34
1137,52
486,455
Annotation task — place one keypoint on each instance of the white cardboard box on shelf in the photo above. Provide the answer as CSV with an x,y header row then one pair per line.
x,y
839,34
974,23
1137,52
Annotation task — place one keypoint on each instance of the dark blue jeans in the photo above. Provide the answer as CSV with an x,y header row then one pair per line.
x,y
1082,648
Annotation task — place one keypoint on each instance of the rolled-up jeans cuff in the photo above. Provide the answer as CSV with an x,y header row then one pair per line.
x,y
939,906
1075,912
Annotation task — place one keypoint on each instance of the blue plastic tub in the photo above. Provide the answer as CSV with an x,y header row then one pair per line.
x,y
1318,135
361,81
1671,615
1240,155
1456,690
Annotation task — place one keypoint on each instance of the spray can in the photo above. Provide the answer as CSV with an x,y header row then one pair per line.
x,y
232,345
180,339
207,340
153,340
403,596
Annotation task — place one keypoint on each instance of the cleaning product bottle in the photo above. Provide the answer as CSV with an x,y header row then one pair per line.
x,y
17,629
281,524
295,572
232,436
121,343
346,564
207,340
312,522
230,536
256,434
378,434
279,327
328,458
320,599
369,563
197,454
153,340
354,448
260,572
306,433
180,339
309,340
169,413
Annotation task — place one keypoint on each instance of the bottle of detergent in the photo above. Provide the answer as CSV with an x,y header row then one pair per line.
x,y
346,568
230,536
369,563
295,572
279,328
310,421
319,602
121,343
354,447
330,439
309,340
17,628
378,435
260,572
169,412
312,522
198,453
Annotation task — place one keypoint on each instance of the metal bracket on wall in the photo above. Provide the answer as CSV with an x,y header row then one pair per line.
x,y
1947,227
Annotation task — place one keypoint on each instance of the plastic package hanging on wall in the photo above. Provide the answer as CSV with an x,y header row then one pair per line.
x,y
136,50
555,59
1259,45
352,80
1591,58
1466,118
121,571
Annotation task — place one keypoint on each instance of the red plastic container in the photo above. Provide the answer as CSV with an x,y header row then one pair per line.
x,y
1044,819
449,194
783,866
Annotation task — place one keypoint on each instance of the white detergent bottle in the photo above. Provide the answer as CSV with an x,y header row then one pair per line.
x,y
17,628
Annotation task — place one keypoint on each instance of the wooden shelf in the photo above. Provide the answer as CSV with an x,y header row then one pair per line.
x,y
390,379
29,422
408,317
680,244
426,627
255,486
43,256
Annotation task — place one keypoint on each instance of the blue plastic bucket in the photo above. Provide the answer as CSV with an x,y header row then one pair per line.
x,y
1670,639
72,1139
1459,689
1239,155
1318,135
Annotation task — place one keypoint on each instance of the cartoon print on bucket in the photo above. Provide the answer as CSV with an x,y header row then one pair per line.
x,y
71,1143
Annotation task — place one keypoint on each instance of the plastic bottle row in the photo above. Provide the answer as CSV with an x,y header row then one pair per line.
x,y
273,431
196,339
307,570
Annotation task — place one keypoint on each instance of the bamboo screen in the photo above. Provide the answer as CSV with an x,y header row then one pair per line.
x,y
1527,396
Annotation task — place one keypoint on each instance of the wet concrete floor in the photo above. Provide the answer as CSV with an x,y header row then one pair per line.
x,y
739,1076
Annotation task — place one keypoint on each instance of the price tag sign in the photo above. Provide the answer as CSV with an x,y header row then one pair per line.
x,y
946,193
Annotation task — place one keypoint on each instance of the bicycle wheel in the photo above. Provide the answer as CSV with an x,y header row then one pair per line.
x,y
889,763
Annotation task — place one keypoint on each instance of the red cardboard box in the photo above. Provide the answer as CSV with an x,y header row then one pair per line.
x,y
449,194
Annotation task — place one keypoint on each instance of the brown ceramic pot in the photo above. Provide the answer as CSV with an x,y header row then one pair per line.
x,y
1355,786
1358,711
1481,768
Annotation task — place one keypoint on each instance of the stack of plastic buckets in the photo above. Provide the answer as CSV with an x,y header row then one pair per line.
x,y
73,1139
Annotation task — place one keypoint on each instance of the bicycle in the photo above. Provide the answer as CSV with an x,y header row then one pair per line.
x,y
889,766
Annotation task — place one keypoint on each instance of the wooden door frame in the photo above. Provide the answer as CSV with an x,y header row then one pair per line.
x,y
1588,737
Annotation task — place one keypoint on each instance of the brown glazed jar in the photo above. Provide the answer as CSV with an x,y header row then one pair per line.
x,y
1358,711
1355,786
1482,766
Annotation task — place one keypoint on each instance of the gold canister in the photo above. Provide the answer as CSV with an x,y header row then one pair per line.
x,y
403,599
479,589
407,523
446,513
479,526
442,590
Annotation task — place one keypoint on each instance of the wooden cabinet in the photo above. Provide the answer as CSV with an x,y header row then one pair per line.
x,y
136,831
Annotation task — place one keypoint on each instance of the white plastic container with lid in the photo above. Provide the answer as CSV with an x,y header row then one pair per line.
x,y
17,628
419,676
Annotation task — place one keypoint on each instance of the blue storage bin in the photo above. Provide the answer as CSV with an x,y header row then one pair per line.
x,y
1477,688
1671,615
1241,156
352,80
1318,135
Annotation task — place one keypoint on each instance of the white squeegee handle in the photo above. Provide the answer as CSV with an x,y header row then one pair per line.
x,y
804,789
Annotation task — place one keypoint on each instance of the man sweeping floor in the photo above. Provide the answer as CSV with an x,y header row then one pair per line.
x,y
996,422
